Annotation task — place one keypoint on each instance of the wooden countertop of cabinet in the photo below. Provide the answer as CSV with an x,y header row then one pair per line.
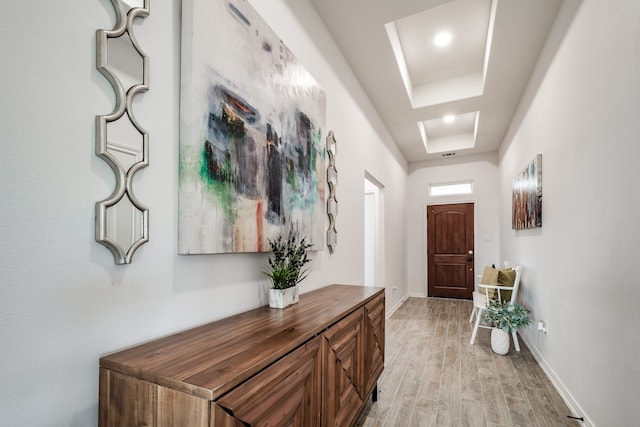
x,y
209,360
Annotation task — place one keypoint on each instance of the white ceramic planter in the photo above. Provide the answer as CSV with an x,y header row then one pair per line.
x,y
500,341
281,298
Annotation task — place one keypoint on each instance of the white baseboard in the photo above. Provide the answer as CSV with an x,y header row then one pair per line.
x,y
572,403
415,295
397,306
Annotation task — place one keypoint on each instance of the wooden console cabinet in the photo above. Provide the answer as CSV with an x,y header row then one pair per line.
x,y
312,364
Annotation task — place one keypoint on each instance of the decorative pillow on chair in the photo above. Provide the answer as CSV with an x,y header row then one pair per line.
x,y
489,277
506,277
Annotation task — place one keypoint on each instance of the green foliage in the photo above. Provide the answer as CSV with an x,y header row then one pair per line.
x,y
286,262
507,316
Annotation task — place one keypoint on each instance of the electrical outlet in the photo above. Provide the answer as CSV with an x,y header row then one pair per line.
x,y
542,327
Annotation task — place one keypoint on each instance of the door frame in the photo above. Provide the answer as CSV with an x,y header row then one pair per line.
x,y
425,240
375,238
379,238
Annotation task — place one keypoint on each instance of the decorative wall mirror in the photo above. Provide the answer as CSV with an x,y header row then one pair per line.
x,y
332,202
122,222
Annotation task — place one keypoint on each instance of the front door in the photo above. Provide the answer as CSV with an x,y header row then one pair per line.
x,y
450,250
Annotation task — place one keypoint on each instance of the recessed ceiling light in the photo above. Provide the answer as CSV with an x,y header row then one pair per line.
x,y
442,39
449,118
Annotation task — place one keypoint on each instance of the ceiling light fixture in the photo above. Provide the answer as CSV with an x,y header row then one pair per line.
x,y
442,39
449,118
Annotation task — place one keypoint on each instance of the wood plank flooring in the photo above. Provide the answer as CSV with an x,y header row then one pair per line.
x,y
434,377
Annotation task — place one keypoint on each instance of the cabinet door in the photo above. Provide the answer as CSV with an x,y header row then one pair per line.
x,y
374,342
343,370
284,394
220,418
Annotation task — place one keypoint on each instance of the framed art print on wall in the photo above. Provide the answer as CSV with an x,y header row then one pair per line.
x,y
526,200
252,161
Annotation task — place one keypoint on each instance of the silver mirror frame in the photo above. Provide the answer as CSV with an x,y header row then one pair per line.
x,y
332,201
124,99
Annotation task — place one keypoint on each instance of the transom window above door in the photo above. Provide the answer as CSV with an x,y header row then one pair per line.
x,y
451,188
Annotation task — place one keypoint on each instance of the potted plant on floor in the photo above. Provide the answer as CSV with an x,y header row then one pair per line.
x,y
286,269
506,317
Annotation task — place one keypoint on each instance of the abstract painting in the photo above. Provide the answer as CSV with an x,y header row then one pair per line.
x,y
526,201
252,162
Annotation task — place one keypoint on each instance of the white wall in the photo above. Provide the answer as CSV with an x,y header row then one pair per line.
x,y
483,171
64,303
579,268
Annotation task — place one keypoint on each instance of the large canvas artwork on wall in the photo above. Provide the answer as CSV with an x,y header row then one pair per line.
x,y
526,204
252,162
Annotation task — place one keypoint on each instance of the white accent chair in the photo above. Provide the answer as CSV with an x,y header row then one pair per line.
x,y
481,301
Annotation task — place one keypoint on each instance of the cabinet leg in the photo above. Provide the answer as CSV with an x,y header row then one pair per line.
x,y
374,393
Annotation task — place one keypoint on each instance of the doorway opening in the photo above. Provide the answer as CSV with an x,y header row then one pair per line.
x,y
373,231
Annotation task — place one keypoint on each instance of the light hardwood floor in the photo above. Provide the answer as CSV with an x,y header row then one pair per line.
x,y
434,377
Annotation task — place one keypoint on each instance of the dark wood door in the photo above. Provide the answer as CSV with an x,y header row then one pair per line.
x,y
450,250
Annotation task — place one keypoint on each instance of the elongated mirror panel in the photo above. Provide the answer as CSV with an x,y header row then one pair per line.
x,y
122,222
332,201
124,142
125,61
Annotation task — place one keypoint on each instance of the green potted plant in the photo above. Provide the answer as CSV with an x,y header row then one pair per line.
x,y
506,317
286,268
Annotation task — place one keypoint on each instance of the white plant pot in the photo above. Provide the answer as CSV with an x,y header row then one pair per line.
x,y
500,341
281,298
